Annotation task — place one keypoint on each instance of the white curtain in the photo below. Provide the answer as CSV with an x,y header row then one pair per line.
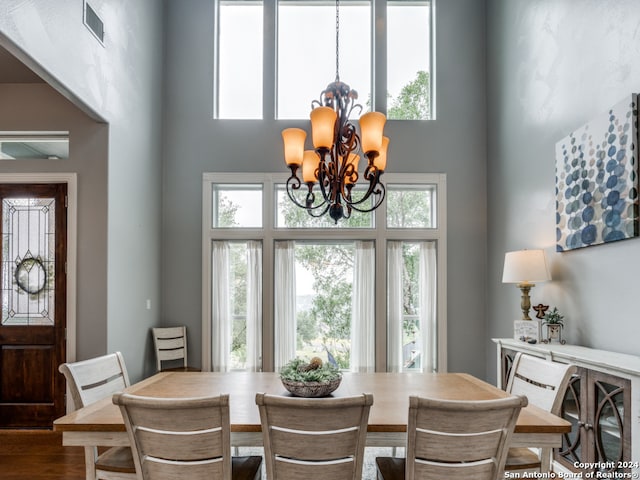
x,y
220,307
254,306
284,310
427,302
363,309
394,301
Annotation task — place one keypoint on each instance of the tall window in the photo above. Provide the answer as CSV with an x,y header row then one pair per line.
x,y
306,52
239,59
409,72
303,32
280,284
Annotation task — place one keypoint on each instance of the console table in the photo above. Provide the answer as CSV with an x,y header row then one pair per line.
x,y
602,402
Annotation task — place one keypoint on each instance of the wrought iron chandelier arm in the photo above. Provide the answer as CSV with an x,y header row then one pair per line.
x,y
380,195
318,214
294,183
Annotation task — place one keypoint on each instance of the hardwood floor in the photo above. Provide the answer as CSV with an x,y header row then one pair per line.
x,y
38,455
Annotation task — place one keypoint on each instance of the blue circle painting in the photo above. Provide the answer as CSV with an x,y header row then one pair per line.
x,y
597,180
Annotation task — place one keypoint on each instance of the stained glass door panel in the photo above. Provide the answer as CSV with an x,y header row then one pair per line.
x,y
28,261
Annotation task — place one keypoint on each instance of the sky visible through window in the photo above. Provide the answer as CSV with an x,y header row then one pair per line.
x,y
306,53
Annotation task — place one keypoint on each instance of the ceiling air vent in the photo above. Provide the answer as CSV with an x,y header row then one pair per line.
x,y
93,22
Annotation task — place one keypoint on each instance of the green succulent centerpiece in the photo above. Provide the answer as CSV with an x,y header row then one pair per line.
x,y
310,379
553,318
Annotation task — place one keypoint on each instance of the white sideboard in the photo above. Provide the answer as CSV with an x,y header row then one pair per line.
x,y
602,402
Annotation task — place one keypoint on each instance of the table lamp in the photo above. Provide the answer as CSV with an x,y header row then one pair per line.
x,y
524,267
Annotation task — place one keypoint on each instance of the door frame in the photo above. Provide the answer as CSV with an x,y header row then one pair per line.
x,y
71,179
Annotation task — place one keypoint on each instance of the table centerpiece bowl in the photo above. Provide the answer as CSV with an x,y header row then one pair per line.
x,y
310,379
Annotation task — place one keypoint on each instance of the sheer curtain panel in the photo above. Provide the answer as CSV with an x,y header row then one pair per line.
x,y
363,309
284,309
428,290
254,306
220,307
395,312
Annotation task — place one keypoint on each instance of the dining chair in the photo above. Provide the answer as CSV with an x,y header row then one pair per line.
x,y
171,346
454,439
183,438
314,438
92,380
544,383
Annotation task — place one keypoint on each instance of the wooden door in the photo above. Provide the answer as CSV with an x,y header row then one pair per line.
x,y
33,227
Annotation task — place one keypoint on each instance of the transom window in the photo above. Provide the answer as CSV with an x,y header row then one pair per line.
x,y
304,62
367,294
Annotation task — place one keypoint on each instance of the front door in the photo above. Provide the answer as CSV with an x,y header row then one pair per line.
x,y
33,228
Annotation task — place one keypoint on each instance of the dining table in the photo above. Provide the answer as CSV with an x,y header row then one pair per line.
x,y
101,424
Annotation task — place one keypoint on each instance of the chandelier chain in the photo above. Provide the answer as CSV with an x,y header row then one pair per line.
x,y
337,40
333,164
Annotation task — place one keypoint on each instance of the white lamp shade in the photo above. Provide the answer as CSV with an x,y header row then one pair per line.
x,y
525,266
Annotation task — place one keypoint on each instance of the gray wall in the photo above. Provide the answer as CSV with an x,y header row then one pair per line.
x,y
40,107
552,66
454,144
120,84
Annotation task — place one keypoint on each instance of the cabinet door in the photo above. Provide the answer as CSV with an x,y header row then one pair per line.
x,y
598,407
574,448
609,414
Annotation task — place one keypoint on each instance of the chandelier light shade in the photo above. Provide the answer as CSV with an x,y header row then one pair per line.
x,y
525,268
333,164
293,145
380,161
371,127
323,120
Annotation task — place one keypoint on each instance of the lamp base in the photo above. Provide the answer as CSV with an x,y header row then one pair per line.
x,y
527,330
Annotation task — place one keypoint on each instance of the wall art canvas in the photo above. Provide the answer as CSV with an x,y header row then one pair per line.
x,y
597,180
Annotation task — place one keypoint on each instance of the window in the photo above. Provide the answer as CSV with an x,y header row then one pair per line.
x,y
409,73
303,64
34,145
233,206
411,206
236,299
325,291
239,60
289,217
306,52
285,284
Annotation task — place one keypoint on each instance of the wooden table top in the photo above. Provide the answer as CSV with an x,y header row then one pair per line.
x,y
389,412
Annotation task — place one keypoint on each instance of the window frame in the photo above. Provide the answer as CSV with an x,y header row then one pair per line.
x,y
268,234
378,61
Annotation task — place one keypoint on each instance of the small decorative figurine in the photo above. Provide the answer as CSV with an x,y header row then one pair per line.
x,y
541,310
554,323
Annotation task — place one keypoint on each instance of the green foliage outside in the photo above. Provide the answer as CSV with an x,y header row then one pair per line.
x,y
328,321
414,100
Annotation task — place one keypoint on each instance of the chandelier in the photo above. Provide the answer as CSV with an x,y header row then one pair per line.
x,y
333,163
